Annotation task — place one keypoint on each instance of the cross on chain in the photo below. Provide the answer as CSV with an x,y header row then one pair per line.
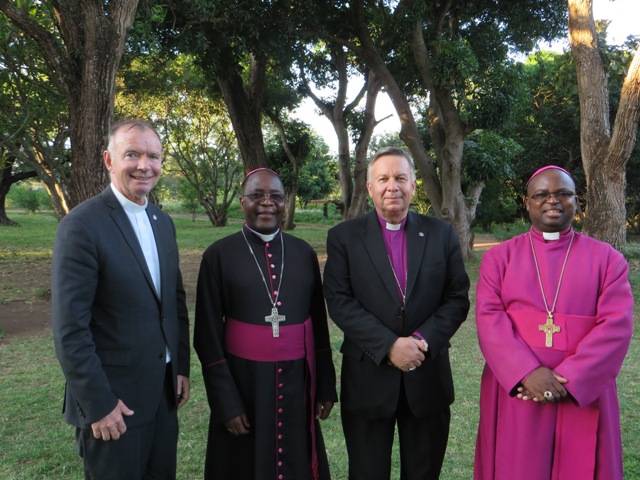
x,y
274,319
549,329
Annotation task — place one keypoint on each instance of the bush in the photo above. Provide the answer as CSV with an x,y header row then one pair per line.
x,y
28,198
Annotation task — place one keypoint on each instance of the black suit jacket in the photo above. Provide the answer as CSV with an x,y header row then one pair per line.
x,y
110,326
360,290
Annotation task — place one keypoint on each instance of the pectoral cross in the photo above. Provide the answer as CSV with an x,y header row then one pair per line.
x,y
274,319
549,329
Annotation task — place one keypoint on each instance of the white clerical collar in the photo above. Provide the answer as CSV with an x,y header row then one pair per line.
x,y
393,226
266,237
127,204
551,235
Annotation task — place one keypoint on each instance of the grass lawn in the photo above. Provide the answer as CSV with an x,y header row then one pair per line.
x,y
37,444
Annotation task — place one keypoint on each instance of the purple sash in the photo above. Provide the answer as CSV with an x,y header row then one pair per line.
x,y
576,428
256,342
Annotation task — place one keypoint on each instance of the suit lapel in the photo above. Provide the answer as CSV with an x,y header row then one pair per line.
x,y
416,243
121,220
374,244
160,246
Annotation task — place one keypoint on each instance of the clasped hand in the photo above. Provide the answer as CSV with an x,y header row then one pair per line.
x,y
543,380
407,353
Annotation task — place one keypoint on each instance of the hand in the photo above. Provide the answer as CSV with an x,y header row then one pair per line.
x,y
112,426
183,388
323,409
407,353
543,380
238,426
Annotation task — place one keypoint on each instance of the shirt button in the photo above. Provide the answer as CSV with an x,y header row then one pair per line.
x,y
278,303
267,244
279,437
280,397
279,424
279,450
270,255
273,266
279,370
281,385
273,276
279,410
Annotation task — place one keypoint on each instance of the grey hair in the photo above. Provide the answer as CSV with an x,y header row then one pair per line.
x,y
128,124
392,151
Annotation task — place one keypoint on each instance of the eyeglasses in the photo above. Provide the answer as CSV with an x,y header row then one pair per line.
x,y
261,197
562,195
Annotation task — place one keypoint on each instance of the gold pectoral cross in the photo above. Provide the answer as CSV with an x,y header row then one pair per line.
x,y
549,329
274,319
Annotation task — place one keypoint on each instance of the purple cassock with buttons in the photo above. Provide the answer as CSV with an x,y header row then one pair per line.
x,y
262,338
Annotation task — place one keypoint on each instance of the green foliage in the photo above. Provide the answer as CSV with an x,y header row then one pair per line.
x,y
34,129
200,146
28,197
496,205
455,63
316,176
488,155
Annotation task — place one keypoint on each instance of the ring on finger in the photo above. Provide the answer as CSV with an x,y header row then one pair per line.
x,y
548,395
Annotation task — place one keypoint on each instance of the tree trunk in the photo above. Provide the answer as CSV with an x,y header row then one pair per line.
x,y
445,192
360,194
7,179
245,112
84,66
289,224
604,156
337,112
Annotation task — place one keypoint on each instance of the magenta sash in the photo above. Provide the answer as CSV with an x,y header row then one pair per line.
x,y
256,342
576,430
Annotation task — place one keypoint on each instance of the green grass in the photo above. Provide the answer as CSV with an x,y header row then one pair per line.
x,y
37,444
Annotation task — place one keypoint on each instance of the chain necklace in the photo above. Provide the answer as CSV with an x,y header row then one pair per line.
x,y
275,318
549,328
403,293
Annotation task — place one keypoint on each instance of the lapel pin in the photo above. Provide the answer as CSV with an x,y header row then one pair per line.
x,y
421,234
155,218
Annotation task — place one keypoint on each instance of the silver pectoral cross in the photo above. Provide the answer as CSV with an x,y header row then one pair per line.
x,y
549,329
274,319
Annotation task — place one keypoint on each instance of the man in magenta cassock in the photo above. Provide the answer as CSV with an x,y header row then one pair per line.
x,y
554,312
262,338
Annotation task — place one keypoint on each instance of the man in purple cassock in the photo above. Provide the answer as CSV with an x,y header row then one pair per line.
x,y
262,338
554,312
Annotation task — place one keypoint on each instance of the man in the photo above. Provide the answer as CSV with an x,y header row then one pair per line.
x,y
554,313
395,283
120,323
261,335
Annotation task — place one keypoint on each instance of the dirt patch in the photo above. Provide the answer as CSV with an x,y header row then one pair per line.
x,y
25,297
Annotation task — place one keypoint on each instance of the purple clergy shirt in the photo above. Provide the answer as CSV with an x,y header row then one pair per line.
x,y
396,241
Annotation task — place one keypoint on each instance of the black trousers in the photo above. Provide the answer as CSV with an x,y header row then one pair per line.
x,y
423,442
144,452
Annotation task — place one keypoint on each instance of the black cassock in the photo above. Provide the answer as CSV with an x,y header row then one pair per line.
x,y
273,394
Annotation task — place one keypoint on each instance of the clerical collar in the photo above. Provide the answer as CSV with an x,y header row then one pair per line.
x,y
266,237
128,205
552,236
392,226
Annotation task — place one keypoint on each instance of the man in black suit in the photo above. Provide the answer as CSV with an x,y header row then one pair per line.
x,y
120,323
396,285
